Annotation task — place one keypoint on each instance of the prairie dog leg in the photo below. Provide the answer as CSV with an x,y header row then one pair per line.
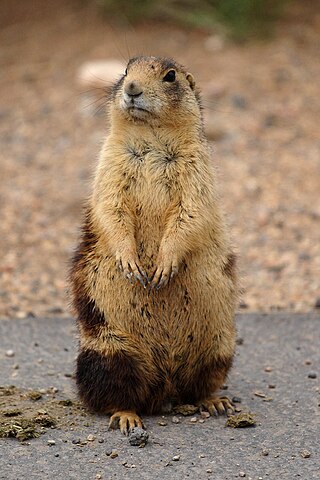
x,y
117,383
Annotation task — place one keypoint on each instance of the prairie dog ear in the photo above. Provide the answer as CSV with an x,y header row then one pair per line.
x,y
191,81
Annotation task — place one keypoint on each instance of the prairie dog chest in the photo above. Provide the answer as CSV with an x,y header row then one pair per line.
x,y
151,174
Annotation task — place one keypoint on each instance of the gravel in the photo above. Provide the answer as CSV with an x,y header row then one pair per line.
x,y
259,97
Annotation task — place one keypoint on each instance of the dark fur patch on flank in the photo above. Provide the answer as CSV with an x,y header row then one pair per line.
x,y
110,383
230,266
88,313
87,243
207,379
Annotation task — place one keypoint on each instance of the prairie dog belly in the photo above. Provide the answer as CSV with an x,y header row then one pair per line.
x,y
181,322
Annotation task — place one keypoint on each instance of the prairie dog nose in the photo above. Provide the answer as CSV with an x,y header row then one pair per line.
x,y
133,89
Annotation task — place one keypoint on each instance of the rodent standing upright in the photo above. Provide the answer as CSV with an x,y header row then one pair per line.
x,y
153,278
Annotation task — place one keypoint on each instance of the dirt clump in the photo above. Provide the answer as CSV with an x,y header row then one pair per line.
x,y
26,414
241,420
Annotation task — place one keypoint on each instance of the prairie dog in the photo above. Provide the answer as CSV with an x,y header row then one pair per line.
x,y
154,278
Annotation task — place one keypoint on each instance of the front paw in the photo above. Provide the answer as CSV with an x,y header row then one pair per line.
x,y
163,273
125,420
131,269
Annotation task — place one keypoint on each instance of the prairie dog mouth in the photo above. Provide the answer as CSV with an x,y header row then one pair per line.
x,y
138,112
135,107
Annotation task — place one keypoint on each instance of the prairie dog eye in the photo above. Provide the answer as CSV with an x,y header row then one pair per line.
x,y
126,71
170,76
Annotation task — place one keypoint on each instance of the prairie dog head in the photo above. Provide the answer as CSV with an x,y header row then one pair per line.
x,y
156,90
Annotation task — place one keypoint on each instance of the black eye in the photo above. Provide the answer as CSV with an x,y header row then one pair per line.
x,y
170,76
126,71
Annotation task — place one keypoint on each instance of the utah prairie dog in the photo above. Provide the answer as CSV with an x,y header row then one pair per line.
x,y
153,277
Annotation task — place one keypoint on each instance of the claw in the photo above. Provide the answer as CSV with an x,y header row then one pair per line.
x,y
162,275
125,420
132,270
141,276
217,406
129,276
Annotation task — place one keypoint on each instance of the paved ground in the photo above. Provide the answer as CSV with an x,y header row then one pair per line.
x,y
279,350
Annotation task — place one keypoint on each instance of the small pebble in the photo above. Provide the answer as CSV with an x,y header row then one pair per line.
x,y
138,436
312,375
162,423
176,458
265,452
10,353
57,455
77,441
236,399
114,454
202,455
193,420
259,394
271,385
175,420
205,414
51,442
101,440
16,366
305,453
209,470
128,465
91,437
98,476
201,420
242,474
268,369
307,362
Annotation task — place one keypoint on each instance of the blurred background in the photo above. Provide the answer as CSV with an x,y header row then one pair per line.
x,y
258,65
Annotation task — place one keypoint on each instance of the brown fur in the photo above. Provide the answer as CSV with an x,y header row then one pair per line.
x,y
155,211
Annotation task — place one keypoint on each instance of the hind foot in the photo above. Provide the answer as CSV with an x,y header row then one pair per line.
x,y
217,406
125,420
